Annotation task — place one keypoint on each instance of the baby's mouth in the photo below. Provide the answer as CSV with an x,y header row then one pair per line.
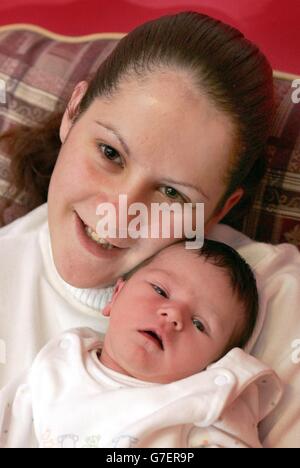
x,y
154,337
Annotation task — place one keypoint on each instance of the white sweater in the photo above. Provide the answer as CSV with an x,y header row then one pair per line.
x,y
36,306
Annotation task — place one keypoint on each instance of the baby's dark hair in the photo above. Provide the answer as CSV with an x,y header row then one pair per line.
x,y
243,284
242,281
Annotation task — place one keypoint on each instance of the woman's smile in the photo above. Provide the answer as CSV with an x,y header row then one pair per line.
x,y
92,244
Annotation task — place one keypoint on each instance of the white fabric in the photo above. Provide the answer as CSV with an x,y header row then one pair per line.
x,y
68,397
35,306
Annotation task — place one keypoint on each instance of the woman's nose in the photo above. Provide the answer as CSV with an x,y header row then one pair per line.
x,y
136,187
174,317
130,206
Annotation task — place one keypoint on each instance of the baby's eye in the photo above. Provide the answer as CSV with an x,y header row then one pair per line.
x,y
108,152
199,325
160,291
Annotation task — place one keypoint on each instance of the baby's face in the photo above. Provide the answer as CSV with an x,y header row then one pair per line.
x,y
171,319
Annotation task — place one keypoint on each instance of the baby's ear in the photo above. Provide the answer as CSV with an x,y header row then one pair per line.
x,y
118,288
107,309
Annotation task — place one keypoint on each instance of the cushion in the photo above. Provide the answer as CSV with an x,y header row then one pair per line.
x,y
275,215
40,69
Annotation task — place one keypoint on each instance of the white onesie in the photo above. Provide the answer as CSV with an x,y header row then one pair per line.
x,y
70,399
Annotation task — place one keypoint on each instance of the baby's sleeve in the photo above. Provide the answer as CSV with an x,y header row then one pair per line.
x,y
16,416
257,391
212,438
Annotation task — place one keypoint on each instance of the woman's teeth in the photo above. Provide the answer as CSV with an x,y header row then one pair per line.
x,y
94,236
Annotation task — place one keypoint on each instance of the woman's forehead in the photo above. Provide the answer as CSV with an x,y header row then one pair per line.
x,y
170,135
165,97
159,126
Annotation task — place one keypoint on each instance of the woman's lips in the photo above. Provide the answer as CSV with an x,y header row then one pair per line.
x,y
91,246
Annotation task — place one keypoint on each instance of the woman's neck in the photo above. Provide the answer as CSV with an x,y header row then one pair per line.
x,y
94,298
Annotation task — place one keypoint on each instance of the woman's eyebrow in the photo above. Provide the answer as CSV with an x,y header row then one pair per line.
x,y
115,132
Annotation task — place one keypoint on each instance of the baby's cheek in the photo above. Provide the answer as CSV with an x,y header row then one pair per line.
x,y
202,355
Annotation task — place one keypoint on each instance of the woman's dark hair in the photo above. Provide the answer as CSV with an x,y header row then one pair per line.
x,y
222,63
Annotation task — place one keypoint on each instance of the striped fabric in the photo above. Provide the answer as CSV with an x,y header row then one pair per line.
x,y
39,71
275,215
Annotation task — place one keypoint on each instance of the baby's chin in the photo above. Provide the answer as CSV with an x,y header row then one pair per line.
x,y
133,371
141,375
161,378
140,363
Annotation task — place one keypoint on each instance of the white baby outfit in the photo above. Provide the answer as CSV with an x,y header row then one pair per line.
x,y
37,306
69,399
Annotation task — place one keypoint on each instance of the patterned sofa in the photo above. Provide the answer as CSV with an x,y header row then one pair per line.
x,y
39,70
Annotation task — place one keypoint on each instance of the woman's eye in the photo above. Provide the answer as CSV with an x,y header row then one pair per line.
x,y
160,291
173,194
199,325
110,153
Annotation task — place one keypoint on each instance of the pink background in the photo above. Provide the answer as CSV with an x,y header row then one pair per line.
x,y
273,24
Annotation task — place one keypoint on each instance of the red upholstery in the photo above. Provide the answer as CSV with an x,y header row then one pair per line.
x,y
273,25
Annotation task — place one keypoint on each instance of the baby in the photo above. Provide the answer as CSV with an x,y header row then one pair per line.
x,y
152,382
179,312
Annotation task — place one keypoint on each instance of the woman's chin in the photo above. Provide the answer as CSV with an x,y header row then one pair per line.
x,y
80,275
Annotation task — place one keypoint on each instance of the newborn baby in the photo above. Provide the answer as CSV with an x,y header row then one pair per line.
x,y
179,312
152,383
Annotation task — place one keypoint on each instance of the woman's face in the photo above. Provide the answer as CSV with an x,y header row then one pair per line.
x,y
172,132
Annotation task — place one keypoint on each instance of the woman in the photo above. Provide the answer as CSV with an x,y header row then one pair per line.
x,y
180,111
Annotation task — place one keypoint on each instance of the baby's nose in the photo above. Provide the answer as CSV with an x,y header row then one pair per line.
x,y
173,316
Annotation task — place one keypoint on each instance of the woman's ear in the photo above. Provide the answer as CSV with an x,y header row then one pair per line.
x,y
67,120
230,203
118,288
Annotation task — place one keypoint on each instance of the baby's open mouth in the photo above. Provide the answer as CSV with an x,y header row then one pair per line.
x,y
154,337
